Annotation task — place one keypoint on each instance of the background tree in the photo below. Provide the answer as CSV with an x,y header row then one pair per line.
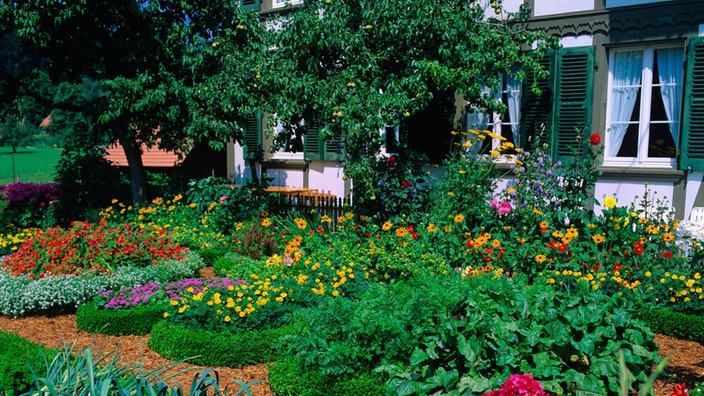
x,y
158,66
350,67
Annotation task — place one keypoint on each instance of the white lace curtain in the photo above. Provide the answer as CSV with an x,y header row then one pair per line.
x,y
627,70
670,73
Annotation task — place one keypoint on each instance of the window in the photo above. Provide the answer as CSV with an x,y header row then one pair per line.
x,y
288,146
644,104
283,3
507,125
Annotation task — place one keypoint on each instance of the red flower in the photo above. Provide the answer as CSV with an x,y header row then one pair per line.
x,y
617,267
595,139
414,235
667,254
638,248
392,160
406,184
562,247
680,390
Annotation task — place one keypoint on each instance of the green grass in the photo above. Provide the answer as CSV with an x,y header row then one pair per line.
x,y
31,164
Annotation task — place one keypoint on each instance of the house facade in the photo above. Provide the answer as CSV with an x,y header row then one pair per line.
x,y
630,70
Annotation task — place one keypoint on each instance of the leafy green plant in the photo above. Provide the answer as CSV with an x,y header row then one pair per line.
x,y
567,341
85,371
18,359
288,377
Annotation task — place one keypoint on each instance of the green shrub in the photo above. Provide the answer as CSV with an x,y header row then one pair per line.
x,y
18,358
288,377
674,324
134,321
237,266
210,348
210,256
567,341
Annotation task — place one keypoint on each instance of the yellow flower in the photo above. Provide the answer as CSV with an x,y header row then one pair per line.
x,y
450,193
598,238
227,318
326,219
266,222
432,228
386,226
610,202
540,258
448,228
401,232
300,223
668,237
459,218
494,153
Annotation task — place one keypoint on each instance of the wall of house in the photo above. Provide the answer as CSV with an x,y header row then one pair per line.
x,y
552,7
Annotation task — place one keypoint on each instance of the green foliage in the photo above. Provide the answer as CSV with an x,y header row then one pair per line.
x,y
216,348
16,133
363,65
133,321
237,266
85,371
18,359
567,341
227,204
210,256
345,336
400,192
88,183
675,324
288,377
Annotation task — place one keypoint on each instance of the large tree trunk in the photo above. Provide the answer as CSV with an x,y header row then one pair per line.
x,y
135,167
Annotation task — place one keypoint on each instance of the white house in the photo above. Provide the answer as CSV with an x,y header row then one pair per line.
x,y
631,70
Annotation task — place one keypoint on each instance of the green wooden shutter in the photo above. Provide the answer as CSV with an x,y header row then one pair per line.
x,y
253,138
574,82
251,5
334,149
536,110
692,142
312,147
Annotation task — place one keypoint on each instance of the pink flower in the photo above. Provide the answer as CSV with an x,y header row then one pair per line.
x,y
504,208
519,385
223,198
494,204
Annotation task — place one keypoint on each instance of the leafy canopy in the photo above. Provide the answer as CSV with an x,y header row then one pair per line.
x,y
350,67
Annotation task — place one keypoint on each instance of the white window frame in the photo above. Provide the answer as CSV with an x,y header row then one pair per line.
x,y
284,3
646,91
281,154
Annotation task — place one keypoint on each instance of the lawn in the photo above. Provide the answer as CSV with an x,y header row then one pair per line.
x,y
31,164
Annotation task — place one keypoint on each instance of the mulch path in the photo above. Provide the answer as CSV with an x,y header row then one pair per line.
x,y
685,366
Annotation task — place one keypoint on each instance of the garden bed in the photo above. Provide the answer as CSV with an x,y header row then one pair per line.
x,y
686,364
53,331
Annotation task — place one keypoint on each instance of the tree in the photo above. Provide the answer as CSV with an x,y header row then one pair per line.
x,y
170,73
350,67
